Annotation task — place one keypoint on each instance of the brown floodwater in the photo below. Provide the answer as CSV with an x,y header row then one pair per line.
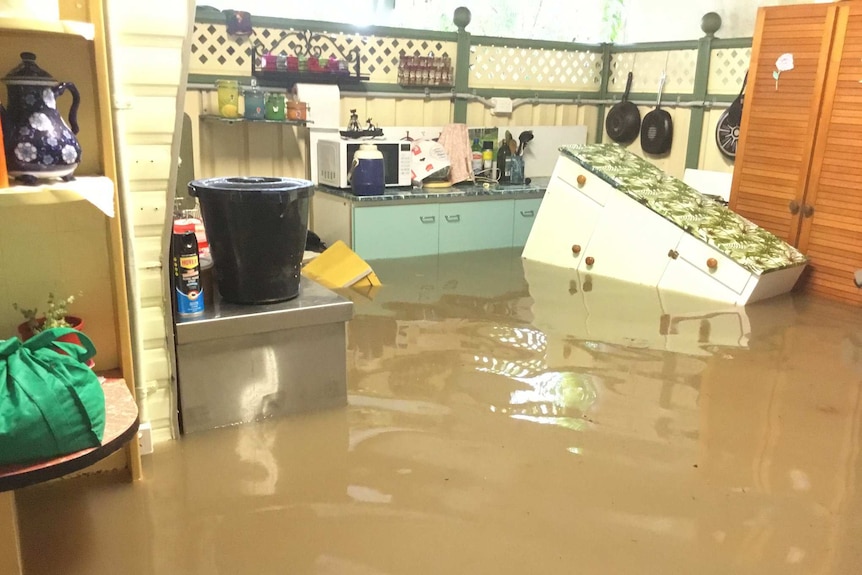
x,y
511,417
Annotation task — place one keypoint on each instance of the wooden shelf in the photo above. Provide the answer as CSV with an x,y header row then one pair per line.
x,y
58,192
216,118
84,30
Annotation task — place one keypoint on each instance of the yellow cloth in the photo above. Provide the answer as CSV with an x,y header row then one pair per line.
x,y
339,266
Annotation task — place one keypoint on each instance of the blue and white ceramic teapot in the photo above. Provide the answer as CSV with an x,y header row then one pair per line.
x,y
39,143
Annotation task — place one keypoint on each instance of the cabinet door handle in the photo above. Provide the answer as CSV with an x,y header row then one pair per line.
x,y
712,263
456,218
576,249
807,211
590,260
793,206
427,219
672,254
582,179
528,213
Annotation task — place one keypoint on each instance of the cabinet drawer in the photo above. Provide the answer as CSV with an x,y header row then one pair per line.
x,y
395,231
525,215
468,226
701,255
563,227
573,175
630,242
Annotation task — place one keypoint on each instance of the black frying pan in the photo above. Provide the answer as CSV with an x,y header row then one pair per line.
x,y
624,119
657,127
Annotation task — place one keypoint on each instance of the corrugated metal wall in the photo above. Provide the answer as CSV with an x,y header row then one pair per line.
x,y
149,46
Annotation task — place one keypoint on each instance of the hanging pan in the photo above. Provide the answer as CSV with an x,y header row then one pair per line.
x,y
657,127
729,124
624,119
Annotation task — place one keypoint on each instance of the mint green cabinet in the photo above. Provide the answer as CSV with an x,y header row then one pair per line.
x,y
396,231
525,215
483,225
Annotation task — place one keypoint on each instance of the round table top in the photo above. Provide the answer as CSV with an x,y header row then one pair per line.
x,y
121,425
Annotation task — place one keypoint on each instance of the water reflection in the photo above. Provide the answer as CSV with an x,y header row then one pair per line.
x,y
522,423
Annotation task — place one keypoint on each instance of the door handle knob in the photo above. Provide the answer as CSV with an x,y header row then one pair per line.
x,y
793,206
712,263
807,211
576,249
673,254
590,260
582,179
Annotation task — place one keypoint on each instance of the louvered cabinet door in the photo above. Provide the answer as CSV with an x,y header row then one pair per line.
x,y
779,124
831,233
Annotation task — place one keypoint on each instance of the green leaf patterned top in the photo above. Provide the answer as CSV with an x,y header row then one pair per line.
x,y
746,243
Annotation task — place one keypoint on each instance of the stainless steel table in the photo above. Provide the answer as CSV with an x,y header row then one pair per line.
x,y
242,363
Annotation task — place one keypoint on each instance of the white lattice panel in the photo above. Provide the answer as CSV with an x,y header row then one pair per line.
x,y
214,51
503,67
647,68
727,68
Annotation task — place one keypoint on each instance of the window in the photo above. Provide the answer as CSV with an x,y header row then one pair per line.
x,y
561,20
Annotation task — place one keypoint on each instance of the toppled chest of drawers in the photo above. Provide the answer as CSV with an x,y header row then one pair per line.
x,y
611,213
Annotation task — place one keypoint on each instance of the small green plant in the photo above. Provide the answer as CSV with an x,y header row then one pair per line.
x,y
55,314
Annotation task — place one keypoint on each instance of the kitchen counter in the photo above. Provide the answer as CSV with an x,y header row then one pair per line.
x,y
242,363
408,222
460,192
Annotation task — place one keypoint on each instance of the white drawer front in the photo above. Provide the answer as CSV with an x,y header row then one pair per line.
x,y
726,271
593,186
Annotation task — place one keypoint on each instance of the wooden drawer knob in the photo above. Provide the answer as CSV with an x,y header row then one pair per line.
x,y
582,179
712,263
590,260
576,249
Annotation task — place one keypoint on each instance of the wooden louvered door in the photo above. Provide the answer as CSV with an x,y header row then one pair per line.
x,y
831,233
779,125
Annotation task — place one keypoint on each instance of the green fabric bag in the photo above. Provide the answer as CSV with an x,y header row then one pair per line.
x,y
51,403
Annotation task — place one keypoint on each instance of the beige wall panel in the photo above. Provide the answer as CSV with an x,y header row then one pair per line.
x,y
149,117
382,111
149,209
72,260
410,113
152,325
437,113
475,114
148,18
147,162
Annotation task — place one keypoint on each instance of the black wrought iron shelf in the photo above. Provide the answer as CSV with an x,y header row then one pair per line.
x,y
276,79
305,44
217,118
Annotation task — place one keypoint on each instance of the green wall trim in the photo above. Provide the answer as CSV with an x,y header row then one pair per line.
x,y
462,75
718,43
505,93
655,46
603,91
207,17
701,81
535,44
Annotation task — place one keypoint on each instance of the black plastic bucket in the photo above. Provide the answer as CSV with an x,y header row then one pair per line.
x,y
256,228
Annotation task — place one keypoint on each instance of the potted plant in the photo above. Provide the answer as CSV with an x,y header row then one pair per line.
x,y
56,315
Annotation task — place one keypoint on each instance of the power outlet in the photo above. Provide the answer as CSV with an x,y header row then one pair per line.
x,y
145,438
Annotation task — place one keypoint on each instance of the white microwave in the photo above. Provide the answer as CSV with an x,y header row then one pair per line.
x,y
334,156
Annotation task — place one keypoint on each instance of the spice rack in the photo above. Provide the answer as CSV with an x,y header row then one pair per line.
x,y
425,71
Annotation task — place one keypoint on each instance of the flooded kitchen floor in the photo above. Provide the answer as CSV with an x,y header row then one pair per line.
x,y
510,417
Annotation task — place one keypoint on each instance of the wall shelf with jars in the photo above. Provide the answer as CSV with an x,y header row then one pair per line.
x,y
425,72
305,57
